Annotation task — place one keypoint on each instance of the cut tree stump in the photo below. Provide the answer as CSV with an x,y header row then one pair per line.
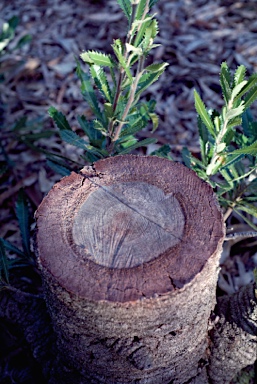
x,y
129,253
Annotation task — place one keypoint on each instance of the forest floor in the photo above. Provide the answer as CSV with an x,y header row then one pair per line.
x,y
196,36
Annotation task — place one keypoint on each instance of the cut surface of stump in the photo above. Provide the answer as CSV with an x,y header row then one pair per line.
x,y
128,224
129,253
137,227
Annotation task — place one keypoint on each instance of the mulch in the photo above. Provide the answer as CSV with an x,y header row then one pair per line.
x,y
196,36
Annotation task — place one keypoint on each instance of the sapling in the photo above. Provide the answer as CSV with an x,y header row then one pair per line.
x,y
113,87
228,142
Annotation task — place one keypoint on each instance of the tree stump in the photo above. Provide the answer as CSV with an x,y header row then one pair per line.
x,y
129,253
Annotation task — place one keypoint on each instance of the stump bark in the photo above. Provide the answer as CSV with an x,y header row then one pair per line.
x,y
129,253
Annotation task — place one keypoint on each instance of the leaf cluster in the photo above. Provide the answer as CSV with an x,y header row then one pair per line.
x,y
24,256
112,88
228,142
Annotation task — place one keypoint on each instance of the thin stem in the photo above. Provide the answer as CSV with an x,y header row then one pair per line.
x,y
131,98
121,72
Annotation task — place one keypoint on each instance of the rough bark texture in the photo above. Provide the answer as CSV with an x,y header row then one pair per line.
x,y
129,252
234,337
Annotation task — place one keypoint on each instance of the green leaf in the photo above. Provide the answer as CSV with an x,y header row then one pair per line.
x,y
142,143
204,139
155,121
250,83
233,159
126,7
40,135
251,97
239,74
150,78
59,119
237,89
72,138
101,81
94,135
156,67
97,58
202,112
13,248
13,22
142,32
117,48
232,113
249,222
20,123
89,94
57,168
248,208
128,141
247,120
225,82
3,262
22,212
249,150
23,41
186,156
140,9
163,151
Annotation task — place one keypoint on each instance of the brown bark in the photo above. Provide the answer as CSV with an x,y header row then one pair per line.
x,y
129,253
234,336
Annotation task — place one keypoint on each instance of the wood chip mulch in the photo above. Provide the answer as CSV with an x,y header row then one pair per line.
x,y
196,36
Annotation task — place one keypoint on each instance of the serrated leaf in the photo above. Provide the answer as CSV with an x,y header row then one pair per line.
x,y
126,7
93,133
234,112
202,112
249,150
22,212
225,82
250,97
239,74
141,27
142,143
59,119
237,89
89,94
252,81
97,58
57,168
232,160
203,138
72,138
3,262
101,81
150,79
